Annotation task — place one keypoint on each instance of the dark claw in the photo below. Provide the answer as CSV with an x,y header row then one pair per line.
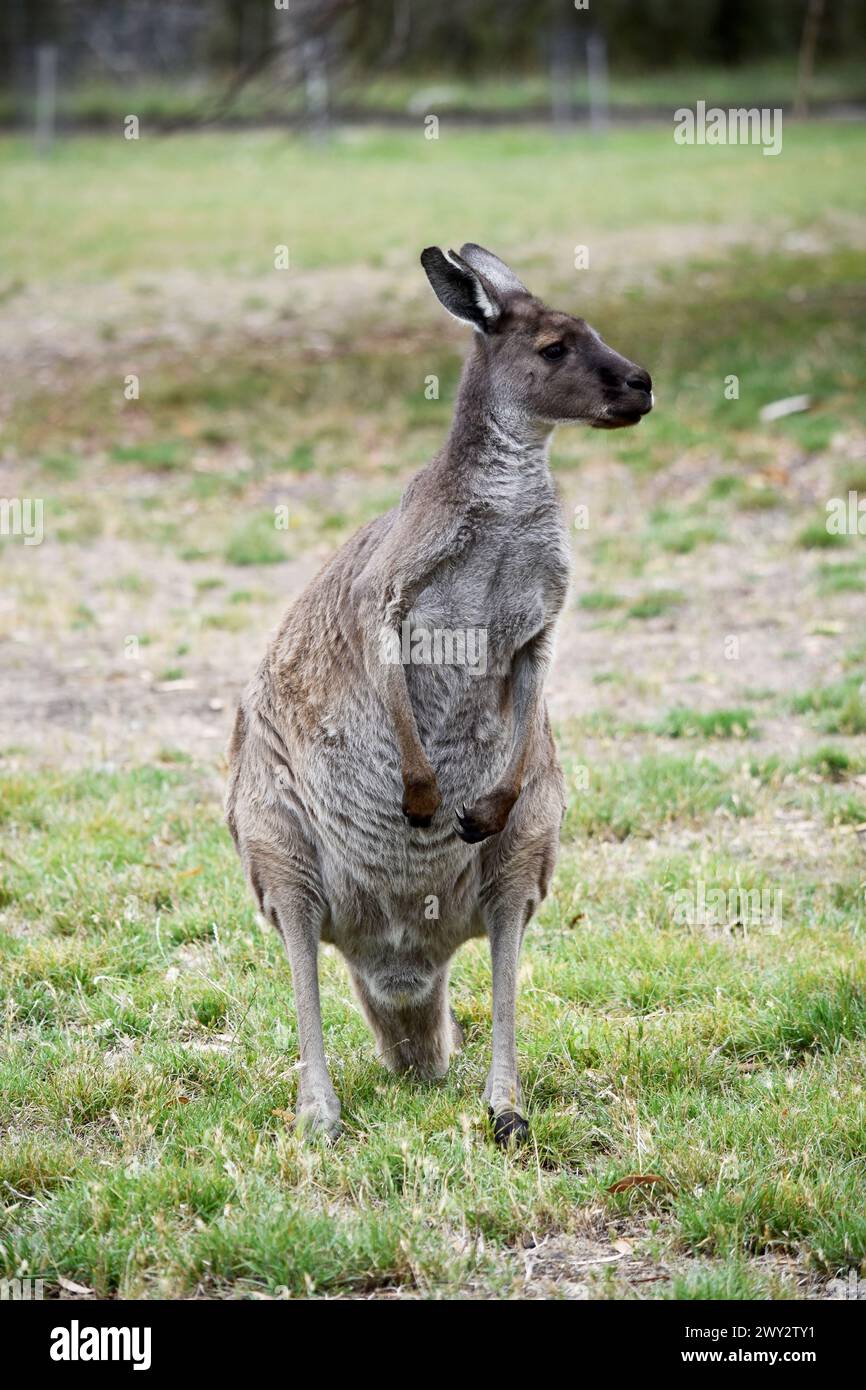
x,y
509,1127
467,829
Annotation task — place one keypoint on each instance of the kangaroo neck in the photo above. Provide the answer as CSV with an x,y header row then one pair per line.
x,y
491,442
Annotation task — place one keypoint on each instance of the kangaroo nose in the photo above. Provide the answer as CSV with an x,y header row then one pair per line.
x,y
640,381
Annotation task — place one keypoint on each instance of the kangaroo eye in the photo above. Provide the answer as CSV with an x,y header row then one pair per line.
x,y
553,352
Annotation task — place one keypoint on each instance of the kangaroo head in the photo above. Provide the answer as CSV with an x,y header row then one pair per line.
x,y
543,363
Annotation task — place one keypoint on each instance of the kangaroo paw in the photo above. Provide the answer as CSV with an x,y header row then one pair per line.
x,y
485,817
421,801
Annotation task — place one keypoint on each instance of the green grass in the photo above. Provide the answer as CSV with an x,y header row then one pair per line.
x,y
842,578
831,762
840,705
680,535
636,172
750,494
637,798
722,723
815,536
159,455
255,542
656,604
599,601
148,1076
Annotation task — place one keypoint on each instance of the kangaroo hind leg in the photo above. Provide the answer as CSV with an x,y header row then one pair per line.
x,y
297,913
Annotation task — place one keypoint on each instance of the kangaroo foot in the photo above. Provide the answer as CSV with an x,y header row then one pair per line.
x,y
318,1115
509,1127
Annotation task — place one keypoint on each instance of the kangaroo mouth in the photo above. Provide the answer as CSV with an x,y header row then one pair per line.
x,y
619,421
619,417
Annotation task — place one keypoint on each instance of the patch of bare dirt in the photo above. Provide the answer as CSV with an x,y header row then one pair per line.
x,y
750,624
593,1266
71,691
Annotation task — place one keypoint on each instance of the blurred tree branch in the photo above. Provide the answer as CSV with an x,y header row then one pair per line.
x,y
305,26
806,64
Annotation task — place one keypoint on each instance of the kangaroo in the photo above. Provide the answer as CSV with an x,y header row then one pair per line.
x,y
354,747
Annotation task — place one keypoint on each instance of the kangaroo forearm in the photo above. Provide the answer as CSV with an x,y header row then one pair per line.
x,y
385,599
515,772
382,656
529,674
421,796
413,759
383,612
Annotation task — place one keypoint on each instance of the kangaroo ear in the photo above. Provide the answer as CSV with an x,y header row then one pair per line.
x,y
460,289
496,273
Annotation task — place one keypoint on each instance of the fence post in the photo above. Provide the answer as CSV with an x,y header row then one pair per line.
x,y
596,73
806,62
561,77
46,95
316,86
